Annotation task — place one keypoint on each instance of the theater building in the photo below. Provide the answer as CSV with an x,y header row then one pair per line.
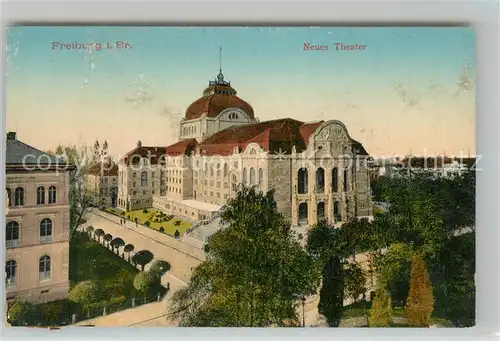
x,y
317,170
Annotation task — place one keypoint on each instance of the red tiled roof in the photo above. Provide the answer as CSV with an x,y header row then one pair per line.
x,y
106,169
275,135
218,98
183,147
155,155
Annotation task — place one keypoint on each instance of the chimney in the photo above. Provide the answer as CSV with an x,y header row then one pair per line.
x,y
11,136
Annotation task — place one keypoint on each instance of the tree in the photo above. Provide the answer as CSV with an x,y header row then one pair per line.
x,y
117,243
420,303
147,282
128,248
159,267
331,295
85,293
81,199
142,258
99,233
354,281
107,238
90,230
22,313
255,271
393,268
380,314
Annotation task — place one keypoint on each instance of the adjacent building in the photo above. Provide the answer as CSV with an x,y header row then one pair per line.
x,y
317,170
37,223
102,179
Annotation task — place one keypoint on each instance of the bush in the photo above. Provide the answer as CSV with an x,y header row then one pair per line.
x,y
128,216
177,223
54,313
161,229
145,211
85,293
380,315
147,223
22,313
123,213
159,267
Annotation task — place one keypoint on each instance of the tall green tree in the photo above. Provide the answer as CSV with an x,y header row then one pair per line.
x,y
394,268
331,294
255,272
354,281
420,303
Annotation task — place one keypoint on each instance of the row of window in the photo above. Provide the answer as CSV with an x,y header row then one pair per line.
x,y
251,176
11,270
13,228
217,194
303,178
40,196
189,130
162,183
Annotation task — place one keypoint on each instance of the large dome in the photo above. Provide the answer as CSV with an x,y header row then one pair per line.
x,y
217,97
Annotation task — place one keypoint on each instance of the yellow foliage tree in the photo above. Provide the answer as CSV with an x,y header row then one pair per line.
x,y
420,302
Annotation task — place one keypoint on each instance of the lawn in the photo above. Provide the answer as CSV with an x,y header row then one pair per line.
x,y
156,218
90,260
359,309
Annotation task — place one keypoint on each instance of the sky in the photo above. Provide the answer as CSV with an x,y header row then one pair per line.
x,y
411,89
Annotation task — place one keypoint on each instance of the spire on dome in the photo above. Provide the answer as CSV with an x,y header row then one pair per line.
x,y
220,77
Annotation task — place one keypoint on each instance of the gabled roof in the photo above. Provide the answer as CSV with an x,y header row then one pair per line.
x,y
183,147
104,169
154,154
19,153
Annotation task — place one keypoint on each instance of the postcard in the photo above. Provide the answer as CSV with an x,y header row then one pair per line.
x,y
240,176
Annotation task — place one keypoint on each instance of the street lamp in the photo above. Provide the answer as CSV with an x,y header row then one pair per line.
x,y
303,311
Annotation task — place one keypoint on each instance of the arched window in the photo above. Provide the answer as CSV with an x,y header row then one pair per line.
x,y
211,170
347,210
10,271
205,170
144,178
12,234
52,194
253,152
244,176
234,184
133,184
302,181
9,195
44,267
261,176
225,170
252,176
134,175
19,196
320,180
46,230
218,169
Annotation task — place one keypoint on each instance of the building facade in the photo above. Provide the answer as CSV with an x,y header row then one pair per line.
x,y
317,171
37,224
102,179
